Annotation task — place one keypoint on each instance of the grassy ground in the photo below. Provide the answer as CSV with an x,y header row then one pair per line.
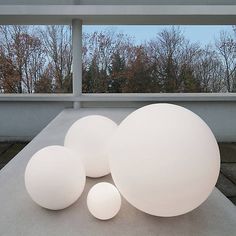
x,y
227,179
8,151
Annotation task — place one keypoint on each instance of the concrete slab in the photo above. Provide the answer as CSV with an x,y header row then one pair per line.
x,y
20,216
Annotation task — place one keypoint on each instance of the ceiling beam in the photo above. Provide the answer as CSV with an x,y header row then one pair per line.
x,y
119,14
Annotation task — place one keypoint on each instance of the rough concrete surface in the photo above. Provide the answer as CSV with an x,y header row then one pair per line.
x,y
20,216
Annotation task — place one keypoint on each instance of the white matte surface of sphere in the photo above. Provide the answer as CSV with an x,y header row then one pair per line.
x,y
55,177
88,138
164,160
104,201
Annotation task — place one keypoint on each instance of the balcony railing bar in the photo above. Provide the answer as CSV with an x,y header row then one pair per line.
x,y
124,97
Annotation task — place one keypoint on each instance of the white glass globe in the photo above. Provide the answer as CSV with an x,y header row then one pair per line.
x,y
104,201
88,138
164,160
55,177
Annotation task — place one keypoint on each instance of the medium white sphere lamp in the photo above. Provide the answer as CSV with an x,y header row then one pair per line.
x,y
88,138
55,177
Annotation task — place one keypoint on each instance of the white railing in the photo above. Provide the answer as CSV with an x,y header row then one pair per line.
x,y
121,97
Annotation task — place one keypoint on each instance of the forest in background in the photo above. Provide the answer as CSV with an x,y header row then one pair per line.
x,y
38,59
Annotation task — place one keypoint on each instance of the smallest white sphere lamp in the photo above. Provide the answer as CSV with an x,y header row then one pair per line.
x,y
104,201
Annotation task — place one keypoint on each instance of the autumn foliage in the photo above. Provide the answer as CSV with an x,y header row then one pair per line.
x,y
38,59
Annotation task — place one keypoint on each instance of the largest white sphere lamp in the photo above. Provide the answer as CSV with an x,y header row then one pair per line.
x,y
164,160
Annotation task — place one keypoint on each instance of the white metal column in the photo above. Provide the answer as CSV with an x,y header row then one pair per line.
x,y
77,59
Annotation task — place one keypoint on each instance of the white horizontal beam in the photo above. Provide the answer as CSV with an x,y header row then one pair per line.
x,y
119,14
36,98
117,2
124,97
159,97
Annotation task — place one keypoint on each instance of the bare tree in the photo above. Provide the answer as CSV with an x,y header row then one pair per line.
x,y
58,47
99,49
23,49
8,75
226,46
209,70
173,57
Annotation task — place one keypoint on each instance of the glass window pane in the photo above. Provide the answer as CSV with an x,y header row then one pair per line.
x,y
159,59
35,59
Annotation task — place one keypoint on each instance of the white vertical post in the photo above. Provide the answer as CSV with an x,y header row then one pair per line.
x,y
77,59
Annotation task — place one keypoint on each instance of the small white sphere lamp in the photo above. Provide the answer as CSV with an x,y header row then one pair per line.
x,y
164,160
55,177
104,201
88,138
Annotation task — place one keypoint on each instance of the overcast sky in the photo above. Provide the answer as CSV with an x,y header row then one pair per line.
x,y
201,34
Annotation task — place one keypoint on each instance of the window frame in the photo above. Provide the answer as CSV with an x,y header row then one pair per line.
x,y
79,15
